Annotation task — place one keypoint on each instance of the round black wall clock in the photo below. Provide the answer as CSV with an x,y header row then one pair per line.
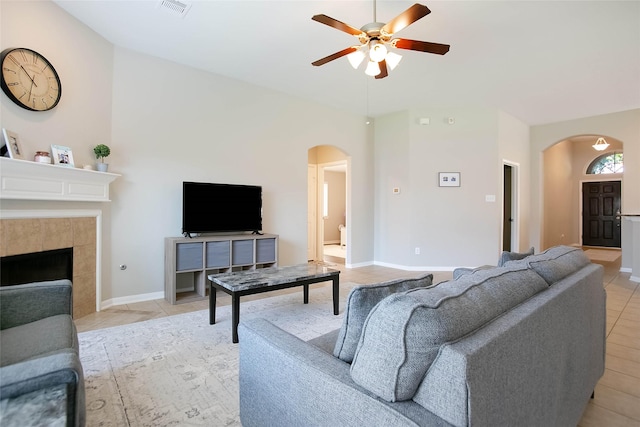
x,y
29,80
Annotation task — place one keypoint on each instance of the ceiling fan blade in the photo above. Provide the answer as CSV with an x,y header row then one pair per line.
x,y
383,70
324,19
406,18
428,47
334,56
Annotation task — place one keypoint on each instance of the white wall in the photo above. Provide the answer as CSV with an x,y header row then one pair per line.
x,y
451,226
559,215
166,123
513,148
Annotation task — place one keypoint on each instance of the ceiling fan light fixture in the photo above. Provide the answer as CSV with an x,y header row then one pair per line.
x,y
377,51
393,59
373,69
601,144
356,58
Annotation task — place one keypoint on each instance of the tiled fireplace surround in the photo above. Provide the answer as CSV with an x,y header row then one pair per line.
x,y
26,235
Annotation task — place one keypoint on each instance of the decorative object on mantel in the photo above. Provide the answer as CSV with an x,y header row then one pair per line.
x,y
12,144
101,151
449,179
62,155
601,144
42,157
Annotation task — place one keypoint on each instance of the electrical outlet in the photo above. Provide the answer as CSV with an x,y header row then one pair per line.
x,y
417,251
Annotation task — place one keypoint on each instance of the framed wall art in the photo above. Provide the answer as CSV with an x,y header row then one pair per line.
x,y
62,155
449,179
12,144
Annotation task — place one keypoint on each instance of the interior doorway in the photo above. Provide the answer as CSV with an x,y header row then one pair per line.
x,y
334,212
328,198
510,238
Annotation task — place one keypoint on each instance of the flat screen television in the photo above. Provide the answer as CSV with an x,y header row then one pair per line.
x,y
213,208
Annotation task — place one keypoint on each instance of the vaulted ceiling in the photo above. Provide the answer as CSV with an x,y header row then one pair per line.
x,y
540,61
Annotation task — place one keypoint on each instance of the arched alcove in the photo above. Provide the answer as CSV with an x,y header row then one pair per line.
x,y
565,166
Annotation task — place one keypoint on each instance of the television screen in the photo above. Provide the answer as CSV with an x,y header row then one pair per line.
x,y
210,208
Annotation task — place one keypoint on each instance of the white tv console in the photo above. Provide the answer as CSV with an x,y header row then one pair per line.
x,y
188,261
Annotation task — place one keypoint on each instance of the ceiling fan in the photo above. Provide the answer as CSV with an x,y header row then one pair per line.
x,y
377,37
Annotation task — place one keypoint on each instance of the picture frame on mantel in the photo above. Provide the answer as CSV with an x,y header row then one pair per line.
x,y
62,155
449,179
12,144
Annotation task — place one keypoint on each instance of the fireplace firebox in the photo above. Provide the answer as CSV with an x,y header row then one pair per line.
x,y
36,267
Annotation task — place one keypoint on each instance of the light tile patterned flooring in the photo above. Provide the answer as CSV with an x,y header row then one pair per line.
x,y
617,395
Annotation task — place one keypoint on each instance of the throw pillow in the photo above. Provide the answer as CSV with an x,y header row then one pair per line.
x,y
558,262
359,303
404,332
513,256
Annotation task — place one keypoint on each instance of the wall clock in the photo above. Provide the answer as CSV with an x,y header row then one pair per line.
x,y
29,80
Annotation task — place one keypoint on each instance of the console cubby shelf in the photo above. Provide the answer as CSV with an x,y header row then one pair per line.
x,y
188,261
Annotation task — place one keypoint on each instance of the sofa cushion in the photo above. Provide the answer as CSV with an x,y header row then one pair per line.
x,y
555,263
461,271
403,333
359,303
506,256
37,339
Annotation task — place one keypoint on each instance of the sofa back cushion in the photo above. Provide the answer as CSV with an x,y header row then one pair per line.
x,y
555,263
403,333
359,303
507,256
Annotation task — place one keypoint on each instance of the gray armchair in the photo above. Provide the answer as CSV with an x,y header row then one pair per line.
x,y
40,372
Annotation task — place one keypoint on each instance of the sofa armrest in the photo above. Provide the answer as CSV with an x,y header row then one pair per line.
x,y
62,368
285,381
20,304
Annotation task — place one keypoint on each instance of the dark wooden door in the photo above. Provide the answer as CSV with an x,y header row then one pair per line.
x,y
507,214
601,214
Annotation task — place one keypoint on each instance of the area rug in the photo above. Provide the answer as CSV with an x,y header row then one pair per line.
x,y
179,370
603,255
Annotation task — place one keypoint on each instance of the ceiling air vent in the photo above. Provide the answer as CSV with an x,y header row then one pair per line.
x,y
175,7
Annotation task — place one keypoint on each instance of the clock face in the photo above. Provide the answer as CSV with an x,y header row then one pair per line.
x,y
29,80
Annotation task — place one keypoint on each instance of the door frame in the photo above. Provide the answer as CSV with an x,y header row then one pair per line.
x,y
515,204
312,205
596,178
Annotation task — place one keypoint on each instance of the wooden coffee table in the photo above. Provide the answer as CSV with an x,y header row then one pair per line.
x,y
249,282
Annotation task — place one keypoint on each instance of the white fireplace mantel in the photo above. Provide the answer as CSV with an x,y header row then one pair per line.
x,y
26,180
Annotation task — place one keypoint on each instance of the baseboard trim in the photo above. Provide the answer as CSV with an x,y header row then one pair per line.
x,y
359,264
625,270
131,299
413,268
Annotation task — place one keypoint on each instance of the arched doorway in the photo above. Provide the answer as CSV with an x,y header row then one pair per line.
x,y
327,234
565,166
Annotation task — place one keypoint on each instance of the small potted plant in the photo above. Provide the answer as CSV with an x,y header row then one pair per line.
x,y
101,151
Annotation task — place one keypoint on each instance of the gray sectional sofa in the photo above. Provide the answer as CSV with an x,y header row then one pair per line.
x,y
518,345
41,378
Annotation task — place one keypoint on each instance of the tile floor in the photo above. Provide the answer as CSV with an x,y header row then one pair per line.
x,y
617,395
